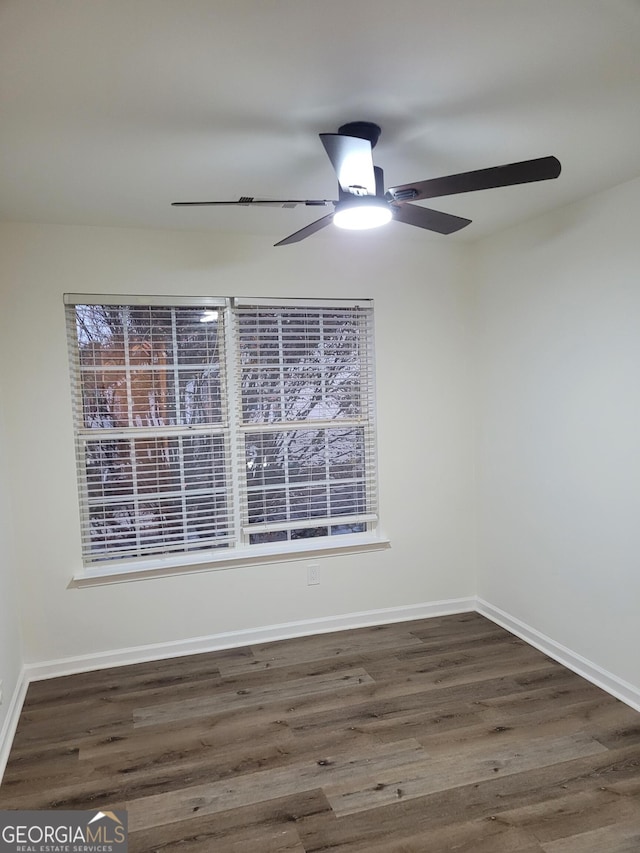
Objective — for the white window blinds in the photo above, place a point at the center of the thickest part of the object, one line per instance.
(205, 427)
(306, 415)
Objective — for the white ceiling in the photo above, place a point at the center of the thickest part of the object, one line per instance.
(111, 109)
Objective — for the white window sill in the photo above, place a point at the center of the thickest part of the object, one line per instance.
(215, 561)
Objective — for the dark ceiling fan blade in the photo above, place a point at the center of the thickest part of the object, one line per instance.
(245, 201)
(432, 220)
(528, 171)
(353, 163)
(307, 231)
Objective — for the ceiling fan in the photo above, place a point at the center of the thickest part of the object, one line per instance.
(362, 201)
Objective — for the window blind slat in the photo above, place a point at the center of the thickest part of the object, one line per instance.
(144, 300)
(311, 522)
(288, 302)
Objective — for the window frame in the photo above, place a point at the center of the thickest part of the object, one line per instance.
(241, 552)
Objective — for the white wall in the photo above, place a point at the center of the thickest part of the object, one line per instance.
(425, 433)
(552, 332)
(10, 640)
(558, 407)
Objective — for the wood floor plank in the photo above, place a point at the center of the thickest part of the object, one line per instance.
(573, 814)
(124, 679)
(598, 718)
(442, 667)
(389, 705)
(543, 694)
(626, 787)
(443, 735)
(235, 700)
(269, 784)
(262, 822)
(283, 839)
(453, 627)
(621, 837)
(88, 720)
(479, 836)
(447, 771)
(322, 647)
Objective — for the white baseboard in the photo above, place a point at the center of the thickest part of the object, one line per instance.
(249, 637)
(14, 709)
(609, 682)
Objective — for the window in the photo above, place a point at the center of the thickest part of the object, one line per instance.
(218, 429)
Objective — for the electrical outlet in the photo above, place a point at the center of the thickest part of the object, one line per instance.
(313, 573)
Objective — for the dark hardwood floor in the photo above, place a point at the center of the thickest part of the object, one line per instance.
(446, 734)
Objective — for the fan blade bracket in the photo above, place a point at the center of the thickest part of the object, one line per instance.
(356, 189)
(402, 195)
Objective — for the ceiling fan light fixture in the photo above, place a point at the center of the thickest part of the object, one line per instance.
(363, 202)
(361, 213)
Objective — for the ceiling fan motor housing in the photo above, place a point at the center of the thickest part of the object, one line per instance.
(361, 130)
